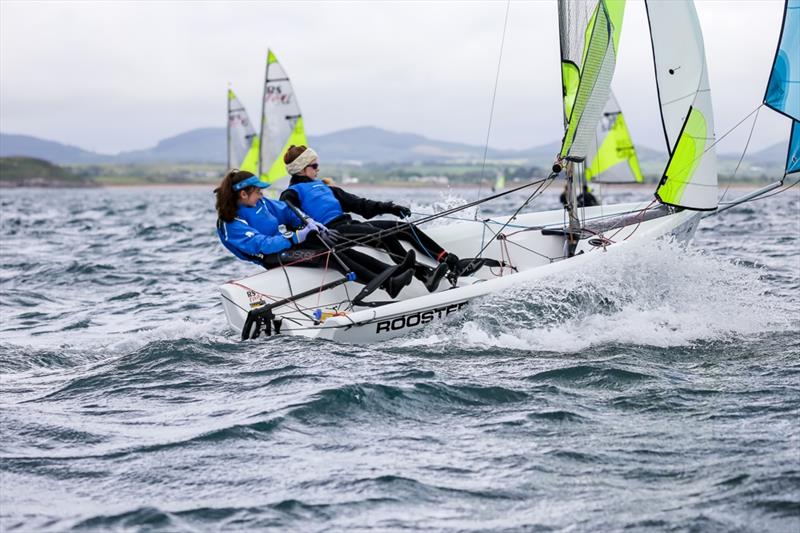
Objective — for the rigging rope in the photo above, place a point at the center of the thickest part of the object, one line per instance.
(747, 144)
(358, 241)
(543, 184)
(491, 110)
(717, 140)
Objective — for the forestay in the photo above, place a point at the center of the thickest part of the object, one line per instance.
(589, 33)
(783, 89)
(281, 121)
(613, 157)
(242, 140)
(690, 178)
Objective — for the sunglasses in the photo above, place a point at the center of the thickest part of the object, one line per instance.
(315, 166)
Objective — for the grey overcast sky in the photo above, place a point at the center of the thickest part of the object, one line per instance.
(113, 76)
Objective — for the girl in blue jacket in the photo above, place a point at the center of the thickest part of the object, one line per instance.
(269, 233)
(331, 206)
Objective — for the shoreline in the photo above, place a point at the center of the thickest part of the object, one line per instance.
(354, 186)
(369, 186)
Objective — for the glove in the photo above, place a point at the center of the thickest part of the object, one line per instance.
(399, 210)
(301, 234)
(315, 226)
(326, 238)
(331, 237)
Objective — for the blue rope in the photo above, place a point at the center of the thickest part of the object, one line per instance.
(410, 225)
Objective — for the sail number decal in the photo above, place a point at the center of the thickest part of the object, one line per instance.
(275, 94)
(418, 318)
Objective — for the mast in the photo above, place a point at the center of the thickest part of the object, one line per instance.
(228, 128)
(589, 32)
(574, 172)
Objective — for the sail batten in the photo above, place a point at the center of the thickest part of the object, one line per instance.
(690, 177)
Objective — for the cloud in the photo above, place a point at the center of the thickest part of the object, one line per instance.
(114, 76)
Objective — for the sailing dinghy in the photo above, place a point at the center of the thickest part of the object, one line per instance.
(614, 156)
(529, 246)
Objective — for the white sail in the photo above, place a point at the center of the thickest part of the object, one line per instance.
(690, 178)
(281, 122)
(241, 136)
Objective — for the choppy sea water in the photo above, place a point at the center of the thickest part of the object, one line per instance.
(660, 391)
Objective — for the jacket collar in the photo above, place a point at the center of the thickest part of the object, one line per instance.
(299, 178)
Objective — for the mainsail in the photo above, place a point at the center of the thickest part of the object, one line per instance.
(589, 33)
(783, 89)
(242, 141)
(281, 122)
(690, 178)
(612, 155)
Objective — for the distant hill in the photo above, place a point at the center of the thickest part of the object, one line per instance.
(374, 145)
(771, 154)
(364, 144)
(27, 146)
(203, 145)
(32, 172)
(207, 145)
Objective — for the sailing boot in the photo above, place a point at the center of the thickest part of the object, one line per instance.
(395, 284)
(451, 261)
(402, 277)
(434, 276)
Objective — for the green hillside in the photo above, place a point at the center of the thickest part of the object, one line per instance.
(32, 172)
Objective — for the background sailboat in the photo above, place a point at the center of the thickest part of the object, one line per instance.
(281, 124)
(243, 143)
(500, 181)
(613, 156)
(281, 127)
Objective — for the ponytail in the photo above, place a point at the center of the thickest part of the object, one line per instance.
(227, 198)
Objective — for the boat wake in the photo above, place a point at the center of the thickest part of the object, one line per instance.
(656, 295)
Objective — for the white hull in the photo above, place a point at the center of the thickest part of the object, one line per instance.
(536, 255)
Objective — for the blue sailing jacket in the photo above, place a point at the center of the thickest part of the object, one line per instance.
(317, 200)
(254, 232)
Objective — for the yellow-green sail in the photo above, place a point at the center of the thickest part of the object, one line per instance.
(281, 121)
(242, 140)
(590, 32)
(612, 156)
(690, 178)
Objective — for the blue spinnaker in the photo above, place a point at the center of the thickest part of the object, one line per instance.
(783, 89)
(793, 157)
